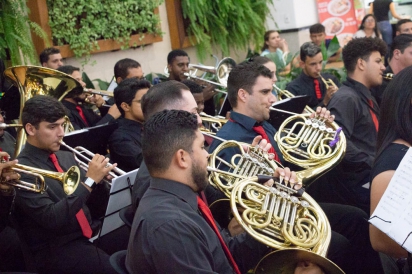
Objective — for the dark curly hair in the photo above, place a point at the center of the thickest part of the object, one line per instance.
(361, 48)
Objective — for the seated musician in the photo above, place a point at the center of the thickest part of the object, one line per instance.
(309, 82)
(197, 92)
(393, 142)
(399, 58)
(173, 230)
(318, 35)
(79, 115)
(51, 58)
(10, 250)
(178, 67)
(127, 68)
(125, 143)
(57, 226)
(250, 95)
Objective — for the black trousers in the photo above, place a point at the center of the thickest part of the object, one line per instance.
(78, 256)
(350, 246)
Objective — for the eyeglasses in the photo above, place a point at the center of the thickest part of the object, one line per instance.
(370, 20)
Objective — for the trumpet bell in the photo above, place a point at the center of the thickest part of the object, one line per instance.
(71, 179)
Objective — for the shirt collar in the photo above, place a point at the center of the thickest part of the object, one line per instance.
(179, 190)
(129, 123)
(359, 87)
(40, 154)
(243, 120)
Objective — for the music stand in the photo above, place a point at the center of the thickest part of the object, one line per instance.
(225, 107)
(93, 138)
(294, 104)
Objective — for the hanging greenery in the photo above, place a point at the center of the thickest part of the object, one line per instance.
(80, 23)
(226, 23)
(15, 39)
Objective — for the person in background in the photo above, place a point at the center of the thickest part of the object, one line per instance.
(127, 68)
(197, 92)
(274, 44)
(125, 143)
(368, 28)
(318, 35)
(51, 58)
(381, 8)
(394, 140)
(404, 26)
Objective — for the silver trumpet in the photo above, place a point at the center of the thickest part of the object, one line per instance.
(86, 155)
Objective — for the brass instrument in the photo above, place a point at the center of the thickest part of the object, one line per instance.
(3, 125)
(69, 179)
(328, 83)
(84, 154)
(34, 80)
(214, 123)
(311, 143)
(287, 94)
(388, 76)
(98, 92)
(222, 71)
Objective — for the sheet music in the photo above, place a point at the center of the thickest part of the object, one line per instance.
(120, 197)
(393, 215)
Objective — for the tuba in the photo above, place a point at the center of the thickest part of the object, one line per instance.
(34, 80)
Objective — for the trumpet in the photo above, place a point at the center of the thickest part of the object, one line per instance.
(84, 154)
(328, 83)
(69, 179)
(388, 76)
(3, 125)
(98, 92)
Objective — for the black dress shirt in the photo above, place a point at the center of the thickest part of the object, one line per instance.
(8, 143)
(125, 145)
(240, 128)
(377, 92)
(92, 118)
(169, 235)
(304, 85)
(352, 112)
(6, 201)
(49, 218)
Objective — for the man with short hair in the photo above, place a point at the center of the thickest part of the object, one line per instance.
(51, 58)
(125, 143)
(400, 56)
(178, 64)
(318, 35)
(127, 68)
(310, 82)
(357, 112)
(404, 26)
(79, 115)
(197, 92)
(57, 225)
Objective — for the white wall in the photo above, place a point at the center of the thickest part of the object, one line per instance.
(292, 14)
(153, 58)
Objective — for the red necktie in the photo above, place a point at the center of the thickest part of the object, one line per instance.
(80, 111)
(317, 88)
(374, 118)
(209, 219)
(261, 131)
(80, 216)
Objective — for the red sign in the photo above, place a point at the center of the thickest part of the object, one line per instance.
(338, 17)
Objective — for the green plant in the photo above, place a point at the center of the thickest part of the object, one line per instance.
(227, 23)
(15, 39)
(80, 23)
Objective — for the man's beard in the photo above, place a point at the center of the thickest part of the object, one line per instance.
(199, 176)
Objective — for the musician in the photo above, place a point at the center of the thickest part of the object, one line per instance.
(394, 140)
(51, 58)
(171, 231)
(197, 92)
(250, 95)
(57, 226)
(79, 115)
(309, 82)
(178, 65)
(127, 68)
(404, 26)
(10, 251)
(7, 141)
(400, 56)
(318, 35)
(125, 142)
(357, 112)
